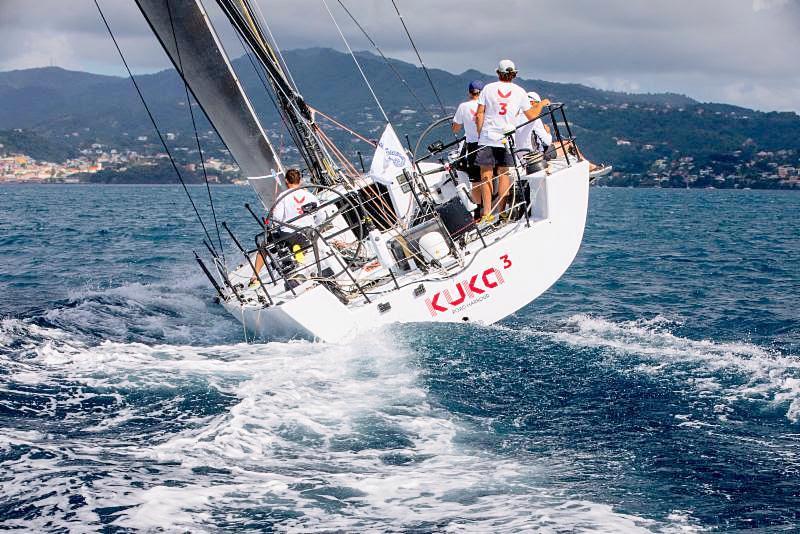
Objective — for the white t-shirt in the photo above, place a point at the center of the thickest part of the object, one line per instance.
(291, 205)
(465, 116)
(522, 139)
(502, 102)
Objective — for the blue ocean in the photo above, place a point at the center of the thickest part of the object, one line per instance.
(654, 388)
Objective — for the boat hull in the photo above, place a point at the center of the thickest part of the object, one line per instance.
(518, 264)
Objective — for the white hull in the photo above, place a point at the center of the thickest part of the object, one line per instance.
(518, 264)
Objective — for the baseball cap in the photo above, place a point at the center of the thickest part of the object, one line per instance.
(475, 86)
(506, 65)
(534, 96)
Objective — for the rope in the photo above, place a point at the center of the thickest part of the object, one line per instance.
(345, 128)
(358, 65)
(196, 135)
(153, 121)
(385, 59)
(424, 68)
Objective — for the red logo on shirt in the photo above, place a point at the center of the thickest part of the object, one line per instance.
(473, 113)
(501, 95)
(300, 200)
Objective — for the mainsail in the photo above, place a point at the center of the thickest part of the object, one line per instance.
(186, 34)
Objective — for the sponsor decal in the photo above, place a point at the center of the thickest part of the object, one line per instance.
(397, 158)
(469, 291)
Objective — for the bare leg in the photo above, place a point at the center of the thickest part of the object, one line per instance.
(487, 174)
(503, 185)
(259, 265)
(475, 192)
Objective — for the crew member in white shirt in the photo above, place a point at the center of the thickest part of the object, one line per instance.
(523, 138)
(293, 203)
(552, 149)
(498, 106)
(465, 117)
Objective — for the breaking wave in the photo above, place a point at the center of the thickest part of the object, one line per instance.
(735, 371)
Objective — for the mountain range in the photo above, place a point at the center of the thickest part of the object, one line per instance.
(52, 112)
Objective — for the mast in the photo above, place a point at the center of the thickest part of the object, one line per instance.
(294, 108)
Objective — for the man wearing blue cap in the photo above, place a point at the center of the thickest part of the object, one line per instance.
(465, 116)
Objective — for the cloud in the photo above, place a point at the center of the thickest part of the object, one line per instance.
(760, 5)
(703, 49)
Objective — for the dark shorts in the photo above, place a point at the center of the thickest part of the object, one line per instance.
(494, 156)
(470, 150)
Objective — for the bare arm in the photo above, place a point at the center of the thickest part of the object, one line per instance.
(536, 109)
(479, 117)
(456, 127)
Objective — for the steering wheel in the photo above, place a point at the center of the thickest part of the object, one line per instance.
(318, 228)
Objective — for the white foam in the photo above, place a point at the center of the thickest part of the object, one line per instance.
(344, 435)
(765, 374)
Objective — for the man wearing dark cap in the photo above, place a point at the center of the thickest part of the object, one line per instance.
(465, 117)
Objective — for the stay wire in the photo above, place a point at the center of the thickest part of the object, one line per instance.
(291, 99)
(385, 59)
(196, 135)
(355, 60)
(263, 20)
(153, 121)
(258, 73)
(268, 91)
(416, 51)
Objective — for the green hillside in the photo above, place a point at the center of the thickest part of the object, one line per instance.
(636, 132)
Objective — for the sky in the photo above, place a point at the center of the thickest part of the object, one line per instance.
(743, 52)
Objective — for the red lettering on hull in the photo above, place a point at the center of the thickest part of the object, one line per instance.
(478, 284)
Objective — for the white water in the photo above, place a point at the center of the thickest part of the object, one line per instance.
(344, 437)
(734, 371)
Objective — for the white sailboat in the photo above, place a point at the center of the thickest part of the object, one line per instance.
(396, 244)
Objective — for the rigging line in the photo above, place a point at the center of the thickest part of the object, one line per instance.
(291, 100)
(345, 128)
(257, 71)
(153, 121)
(385, 59)
(263, 20)
(424, 68)
(240, 21)
(325, 3)
(196, 135)
(388, 213)
(278, 109)
(266, 85)
(317, 159)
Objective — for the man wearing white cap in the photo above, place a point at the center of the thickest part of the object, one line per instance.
(523, 138)
(498, 106)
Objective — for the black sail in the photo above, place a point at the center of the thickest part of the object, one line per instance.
(206, 69)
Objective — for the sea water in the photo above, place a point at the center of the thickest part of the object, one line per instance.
(656, 387)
